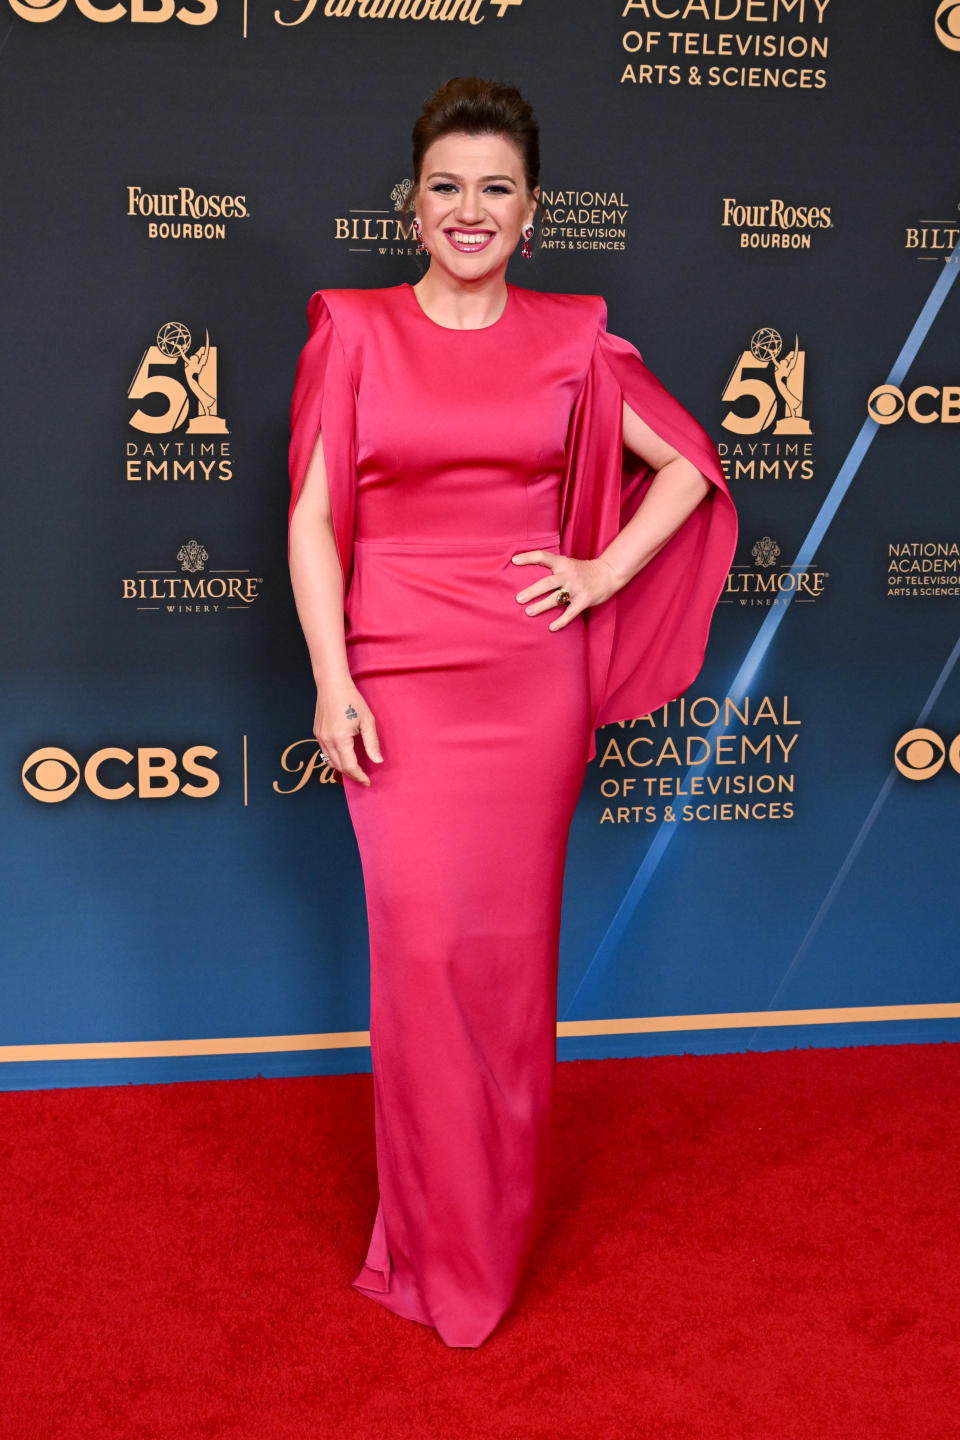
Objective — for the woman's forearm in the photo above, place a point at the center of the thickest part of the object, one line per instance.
(317, 581)
(672, 495)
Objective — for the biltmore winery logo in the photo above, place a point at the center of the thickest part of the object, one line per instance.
(191, 588)
(769, 581)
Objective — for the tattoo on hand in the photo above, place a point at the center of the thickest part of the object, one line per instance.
(351, 713)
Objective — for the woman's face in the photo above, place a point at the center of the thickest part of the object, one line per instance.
(473, 203)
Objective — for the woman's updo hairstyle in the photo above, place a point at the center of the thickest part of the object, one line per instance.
(468, 105)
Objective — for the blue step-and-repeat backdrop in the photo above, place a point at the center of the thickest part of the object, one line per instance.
(766, 192)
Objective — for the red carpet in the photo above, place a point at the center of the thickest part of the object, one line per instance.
(755, 1246)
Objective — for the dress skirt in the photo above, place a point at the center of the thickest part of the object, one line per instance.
(482, 716)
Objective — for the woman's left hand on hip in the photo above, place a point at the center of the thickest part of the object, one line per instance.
(587, 582)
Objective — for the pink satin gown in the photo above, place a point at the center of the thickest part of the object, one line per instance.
(447, 452)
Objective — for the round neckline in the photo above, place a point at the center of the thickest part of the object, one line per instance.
(460, 329)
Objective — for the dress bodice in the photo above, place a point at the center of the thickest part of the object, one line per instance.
(461, 434)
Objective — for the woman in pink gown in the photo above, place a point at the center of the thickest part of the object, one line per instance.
(480, 588)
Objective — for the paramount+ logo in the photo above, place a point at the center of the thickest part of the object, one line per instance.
(152, 772)
(140, 12)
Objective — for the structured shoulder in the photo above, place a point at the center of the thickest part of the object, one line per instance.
(573, 322)
(349, 309)
(350, 319)
(565, 307)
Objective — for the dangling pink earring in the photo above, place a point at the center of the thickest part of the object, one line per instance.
(526, 249)
(419, 234)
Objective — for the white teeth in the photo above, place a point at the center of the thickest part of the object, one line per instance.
(465, 239)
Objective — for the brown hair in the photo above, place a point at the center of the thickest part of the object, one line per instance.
(473, 106)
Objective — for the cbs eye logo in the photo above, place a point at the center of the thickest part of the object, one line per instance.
(946, 22)
(142, 12)
(920, 754)
(153, 773)
(926, 404)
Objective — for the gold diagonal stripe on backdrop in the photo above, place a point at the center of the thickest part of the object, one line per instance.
(349, 1039)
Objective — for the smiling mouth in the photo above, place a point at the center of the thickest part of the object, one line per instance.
(468, 241)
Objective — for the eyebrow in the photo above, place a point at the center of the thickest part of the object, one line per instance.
(449, 175)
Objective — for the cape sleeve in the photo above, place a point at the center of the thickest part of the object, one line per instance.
(646, 643)
(325, 400)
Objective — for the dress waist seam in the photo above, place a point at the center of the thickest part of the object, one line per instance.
(497, 544)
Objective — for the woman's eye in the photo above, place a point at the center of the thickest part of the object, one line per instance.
(444, 187)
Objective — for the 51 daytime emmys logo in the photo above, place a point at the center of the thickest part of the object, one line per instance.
(767, 384)
(176, 377)
(140, 12)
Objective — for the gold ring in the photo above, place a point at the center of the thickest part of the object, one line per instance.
(564, 597)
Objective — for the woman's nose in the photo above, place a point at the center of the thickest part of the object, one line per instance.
(469, 209)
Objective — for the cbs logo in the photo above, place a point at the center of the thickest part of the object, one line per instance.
(886, 404)
(947, 23)
(51, 775)
(919, 754)
(142, 12)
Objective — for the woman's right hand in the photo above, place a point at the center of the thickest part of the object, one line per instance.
(341, 714)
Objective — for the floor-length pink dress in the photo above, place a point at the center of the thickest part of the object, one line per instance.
(447, 452)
